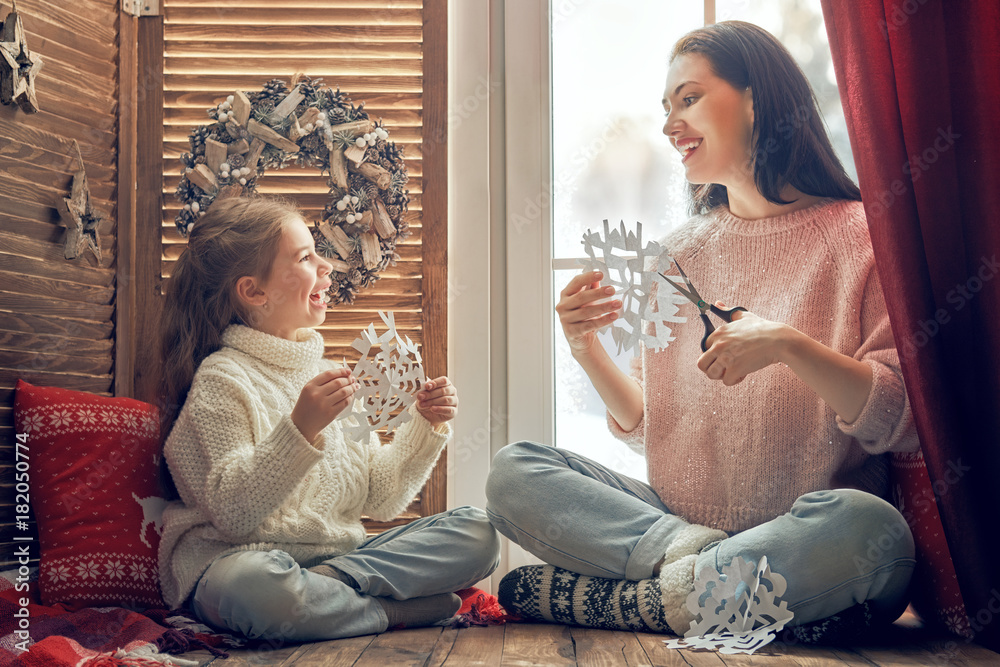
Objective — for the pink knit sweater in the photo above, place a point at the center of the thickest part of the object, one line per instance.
(735, 457)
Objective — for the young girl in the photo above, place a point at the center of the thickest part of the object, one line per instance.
(771, 443)
(267, 538)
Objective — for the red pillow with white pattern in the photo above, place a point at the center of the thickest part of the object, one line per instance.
(94, 480)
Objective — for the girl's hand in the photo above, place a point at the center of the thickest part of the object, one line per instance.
(743, 346)
(323, 399)
(580, 316)
(437, 401)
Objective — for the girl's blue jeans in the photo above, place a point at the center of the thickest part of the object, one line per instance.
(267, 594)
(835, 548)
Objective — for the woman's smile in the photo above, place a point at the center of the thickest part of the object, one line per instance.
(687, 147)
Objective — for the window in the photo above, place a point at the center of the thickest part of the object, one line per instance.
(611, 160)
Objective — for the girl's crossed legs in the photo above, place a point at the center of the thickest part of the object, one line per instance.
(267, 594)
(835, 548)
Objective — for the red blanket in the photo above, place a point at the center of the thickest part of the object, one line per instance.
(36, 635)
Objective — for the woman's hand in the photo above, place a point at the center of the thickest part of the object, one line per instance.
(743, 346)
(580, 316)
(437, 400)
(322, 400)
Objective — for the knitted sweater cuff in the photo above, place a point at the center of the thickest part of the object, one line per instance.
(421, 438)
(881, 413)
(291, 451)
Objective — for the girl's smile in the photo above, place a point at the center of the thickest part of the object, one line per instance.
(321, 297)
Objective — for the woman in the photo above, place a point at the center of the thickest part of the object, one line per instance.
(770, 443)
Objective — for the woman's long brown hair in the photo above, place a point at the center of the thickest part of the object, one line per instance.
(789, 143)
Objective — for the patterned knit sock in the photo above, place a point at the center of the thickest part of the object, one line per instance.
(549, 593)
(419, 612)
(852, 626)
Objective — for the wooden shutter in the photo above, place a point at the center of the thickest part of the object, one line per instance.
(57, 315)
(390, 54)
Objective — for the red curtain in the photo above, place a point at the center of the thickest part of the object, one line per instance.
(920, 85)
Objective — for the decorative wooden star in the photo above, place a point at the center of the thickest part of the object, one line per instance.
(18, 65)
(80, 218)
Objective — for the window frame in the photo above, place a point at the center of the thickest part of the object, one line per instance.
(529, 262)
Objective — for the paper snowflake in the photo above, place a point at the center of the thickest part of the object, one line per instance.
(627, 266)
(388, 380)
(737, 611)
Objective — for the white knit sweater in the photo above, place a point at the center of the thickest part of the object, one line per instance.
(249, 480)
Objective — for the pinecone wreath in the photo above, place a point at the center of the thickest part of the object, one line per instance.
(309, 125)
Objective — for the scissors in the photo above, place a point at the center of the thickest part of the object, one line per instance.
(692, 295)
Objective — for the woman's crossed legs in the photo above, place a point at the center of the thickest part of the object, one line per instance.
(835, 548)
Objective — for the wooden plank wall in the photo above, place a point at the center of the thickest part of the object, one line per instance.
(389, 54)
(57, 315)
(73, 323)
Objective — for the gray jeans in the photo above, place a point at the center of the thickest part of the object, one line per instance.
(266, 594)
(835, 548)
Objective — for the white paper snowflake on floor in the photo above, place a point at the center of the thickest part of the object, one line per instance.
(627, 266)
(388, 380)
(737, 611)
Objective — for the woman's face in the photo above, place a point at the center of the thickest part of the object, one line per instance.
(709, 122)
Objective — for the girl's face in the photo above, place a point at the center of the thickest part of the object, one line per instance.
(293, 290)
(709, 122)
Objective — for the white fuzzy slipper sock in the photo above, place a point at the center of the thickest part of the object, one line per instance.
(676, 583)
(691, 540)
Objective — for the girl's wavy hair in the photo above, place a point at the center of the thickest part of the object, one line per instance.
(789, 143)
(237, 237)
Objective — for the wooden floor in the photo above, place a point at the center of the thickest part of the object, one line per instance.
(518, 644)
